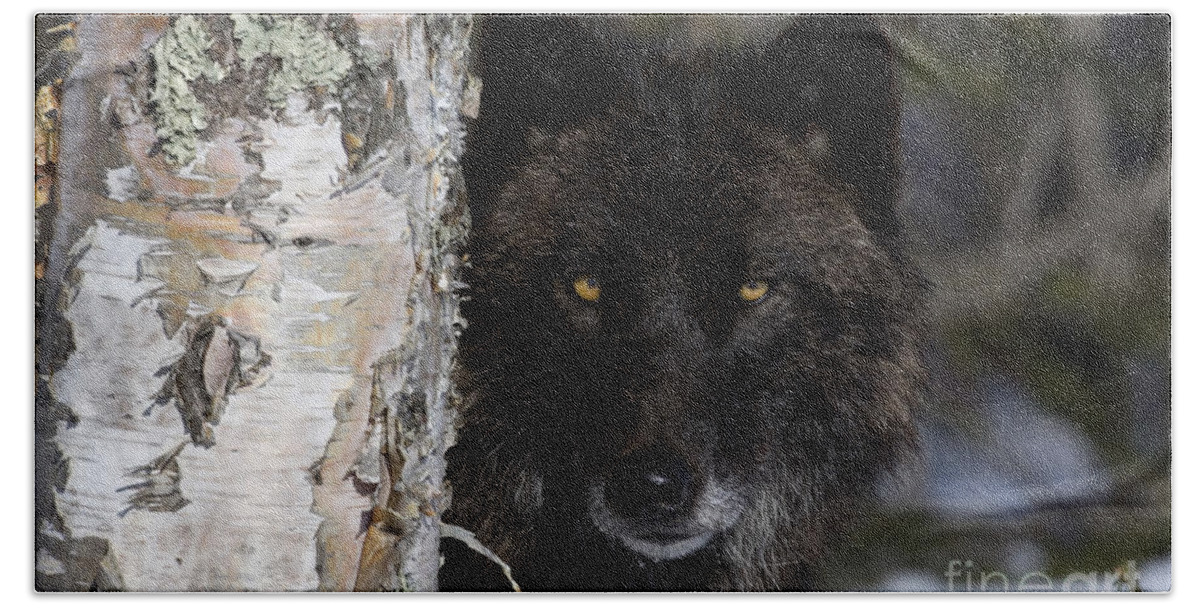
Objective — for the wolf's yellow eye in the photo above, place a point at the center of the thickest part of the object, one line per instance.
(753, 291)
(587, 288)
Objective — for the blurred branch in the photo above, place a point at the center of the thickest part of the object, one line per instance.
(1107, 211)
(1006, 268)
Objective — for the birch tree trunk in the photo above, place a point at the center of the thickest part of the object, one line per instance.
(252, 212)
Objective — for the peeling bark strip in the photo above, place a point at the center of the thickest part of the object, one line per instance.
(221, 279)
(45, 143)
(414, 404)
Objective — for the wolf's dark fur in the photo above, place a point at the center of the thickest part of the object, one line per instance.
(671, 434)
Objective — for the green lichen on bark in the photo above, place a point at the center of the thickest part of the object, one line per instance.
(181, 58)
(300, 57)
(306, 57)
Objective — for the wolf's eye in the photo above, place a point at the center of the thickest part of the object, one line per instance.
(587, 288)
(753, 291)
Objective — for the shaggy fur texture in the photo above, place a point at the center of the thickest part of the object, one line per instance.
(672, 434)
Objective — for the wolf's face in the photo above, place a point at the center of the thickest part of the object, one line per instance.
(687, 352)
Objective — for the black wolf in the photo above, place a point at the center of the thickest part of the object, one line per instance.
(691, 343)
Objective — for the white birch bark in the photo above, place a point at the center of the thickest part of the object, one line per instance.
(249, 294)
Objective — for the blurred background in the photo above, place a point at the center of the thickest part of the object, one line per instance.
(1036, 200)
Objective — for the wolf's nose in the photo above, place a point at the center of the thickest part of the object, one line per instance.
(650, 484)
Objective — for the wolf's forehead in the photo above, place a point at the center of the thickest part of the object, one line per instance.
(650, 248)
(654, 230)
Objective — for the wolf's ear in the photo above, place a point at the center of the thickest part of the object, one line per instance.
(544, 72)
(834, 77)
